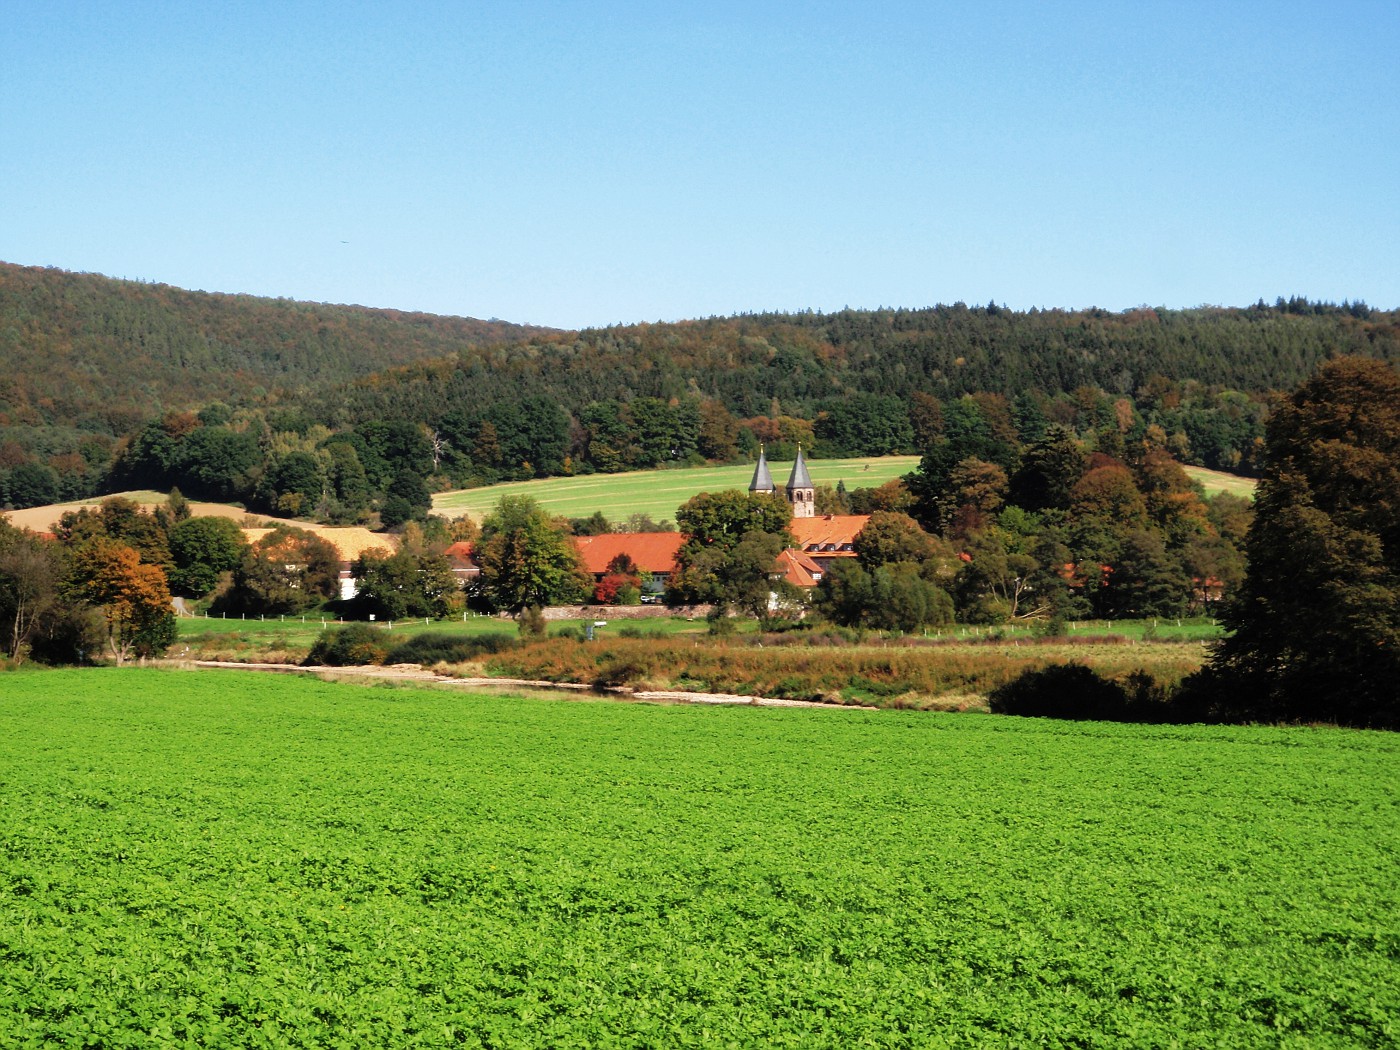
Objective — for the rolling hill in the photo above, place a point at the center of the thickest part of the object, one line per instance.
(87, 353)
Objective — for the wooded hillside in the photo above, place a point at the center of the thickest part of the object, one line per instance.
(804, 360)
(94, 355)
(111, 384)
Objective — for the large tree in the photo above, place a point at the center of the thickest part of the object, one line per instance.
(31, 573)
(732, 542)
(406, 583)
(286, 571)
(203, 549)
(527, 558)
(131, 595)
(1315, 628)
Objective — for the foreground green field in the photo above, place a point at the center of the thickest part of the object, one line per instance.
(228, 859)
(659, 492)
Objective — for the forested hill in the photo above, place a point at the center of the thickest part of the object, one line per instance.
(93, 354)
(803, 361)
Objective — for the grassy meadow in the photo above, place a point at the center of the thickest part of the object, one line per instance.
(659, 492)
(240, 860)
(1214, 481)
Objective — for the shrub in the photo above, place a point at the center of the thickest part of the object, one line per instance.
(618, 670)
(435, 647)
(350, 646)
(719, 622)
(1073, 691)
(530, 622)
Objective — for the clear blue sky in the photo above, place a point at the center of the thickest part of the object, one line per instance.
(589, 163)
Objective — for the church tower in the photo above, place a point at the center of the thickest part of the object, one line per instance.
(762, 480)
(801, 493)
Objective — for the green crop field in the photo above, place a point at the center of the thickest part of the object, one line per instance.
(659, 492)
(238, 860)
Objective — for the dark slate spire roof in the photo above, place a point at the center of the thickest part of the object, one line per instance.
(800, 478)
(762, 479)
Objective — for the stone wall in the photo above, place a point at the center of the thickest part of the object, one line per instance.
(623, 612)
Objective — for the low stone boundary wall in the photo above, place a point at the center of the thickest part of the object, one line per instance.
(623, 612)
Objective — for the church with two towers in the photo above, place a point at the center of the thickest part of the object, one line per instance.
(801, 493)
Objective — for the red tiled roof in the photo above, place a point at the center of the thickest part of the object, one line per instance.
(651, 551)
(827, 533)
(798, 569)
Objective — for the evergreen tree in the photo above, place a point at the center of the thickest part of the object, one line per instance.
(1316, 625)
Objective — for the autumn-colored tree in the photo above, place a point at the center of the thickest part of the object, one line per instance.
(1109, 493)
(893, 495)
(719, 432)
(121, 520)
(132, 597)
(1173, 500)
(926, 418)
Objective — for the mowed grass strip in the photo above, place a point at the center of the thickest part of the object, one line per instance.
(659, 492)
(249, 860)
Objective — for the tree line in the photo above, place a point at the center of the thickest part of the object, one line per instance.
(100, 367)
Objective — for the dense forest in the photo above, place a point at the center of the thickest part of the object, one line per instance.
(87, 355)
(351, 414)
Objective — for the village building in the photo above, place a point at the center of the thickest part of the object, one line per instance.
(827, 538)
(652, 552)
(822, 538)
(461, 557)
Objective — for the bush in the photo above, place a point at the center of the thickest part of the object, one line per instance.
(719, 622)
(1073, 691)
(352, 646)
(530, 622)
(618, 671)
(432, 647)
(1070, 691)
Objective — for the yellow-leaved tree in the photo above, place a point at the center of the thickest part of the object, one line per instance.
(133, 598)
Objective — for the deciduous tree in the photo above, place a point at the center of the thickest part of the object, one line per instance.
(1315, 628)
(132, 597)
(527, 558)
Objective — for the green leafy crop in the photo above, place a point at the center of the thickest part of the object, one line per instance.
(230, 860)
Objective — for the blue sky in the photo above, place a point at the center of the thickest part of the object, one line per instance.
(578, 164)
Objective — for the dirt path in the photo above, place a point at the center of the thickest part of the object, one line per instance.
(415, 673)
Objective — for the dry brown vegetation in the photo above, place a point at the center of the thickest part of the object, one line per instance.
(886, 675)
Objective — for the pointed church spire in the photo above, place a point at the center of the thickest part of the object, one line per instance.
(800, 478)
(762, 479)
(801, 493)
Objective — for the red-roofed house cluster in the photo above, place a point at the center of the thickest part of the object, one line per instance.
(818, 540)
